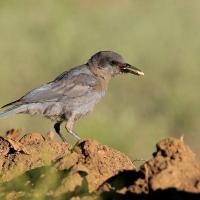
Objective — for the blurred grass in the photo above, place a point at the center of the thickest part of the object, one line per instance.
(41, 39)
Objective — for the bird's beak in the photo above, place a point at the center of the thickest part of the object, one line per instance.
(127, 68)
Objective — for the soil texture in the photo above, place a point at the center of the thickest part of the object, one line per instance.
(36, 167)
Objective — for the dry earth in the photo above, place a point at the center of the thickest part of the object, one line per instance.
(37, 167)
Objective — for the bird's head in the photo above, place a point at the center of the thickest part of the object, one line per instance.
(112, 63)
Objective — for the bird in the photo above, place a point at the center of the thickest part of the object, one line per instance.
(74, 93)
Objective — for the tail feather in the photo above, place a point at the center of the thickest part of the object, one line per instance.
(12, 111)
(4, 114)
(9, 104)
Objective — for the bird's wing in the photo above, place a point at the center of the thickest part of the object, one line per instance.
(66, 86)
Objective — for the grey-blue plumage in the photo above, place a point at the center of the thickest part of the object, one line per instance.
(74, 93)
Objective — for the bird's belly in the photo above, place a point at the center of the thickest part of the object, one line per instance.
(63, 110)
(82, 105)
(54, 111)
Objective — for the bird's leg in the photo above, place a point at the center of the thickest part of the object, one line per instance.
(69, 127)
(57, 129)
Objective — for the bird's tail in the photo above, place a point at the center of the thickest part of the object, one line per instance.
(12, 111)
(4, 114)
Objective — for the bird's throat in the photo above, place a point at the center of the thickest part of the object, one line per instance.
(102, 78)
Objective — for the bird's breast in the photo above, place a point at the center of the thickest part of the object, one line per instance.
(102, 84)
(85, 104)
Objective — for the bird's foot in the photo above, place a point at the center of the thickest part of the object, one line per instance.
(75, 135)
(76, 147)
(64, 140)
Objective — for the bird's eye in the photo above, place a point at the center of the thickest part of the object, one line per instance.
(113, 62)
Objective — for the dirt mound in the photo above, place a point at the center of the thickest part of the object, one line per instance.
(173, 173)
(20, 154)
(35, 167)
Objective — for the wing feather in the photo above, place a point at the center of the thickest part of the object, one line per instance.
(69, 87)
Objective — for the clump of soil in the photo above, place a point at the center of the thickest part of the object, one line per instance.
(173, 173)
(20, 154)
(37, 167)
(173, 166)
(98, 161)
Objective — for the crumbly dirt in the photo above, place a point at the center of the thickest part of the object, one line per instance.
(37, 167)
(173, 173)
(32, 160)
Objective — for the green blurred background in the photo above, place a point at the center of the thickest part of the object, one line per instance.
(41, 39)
